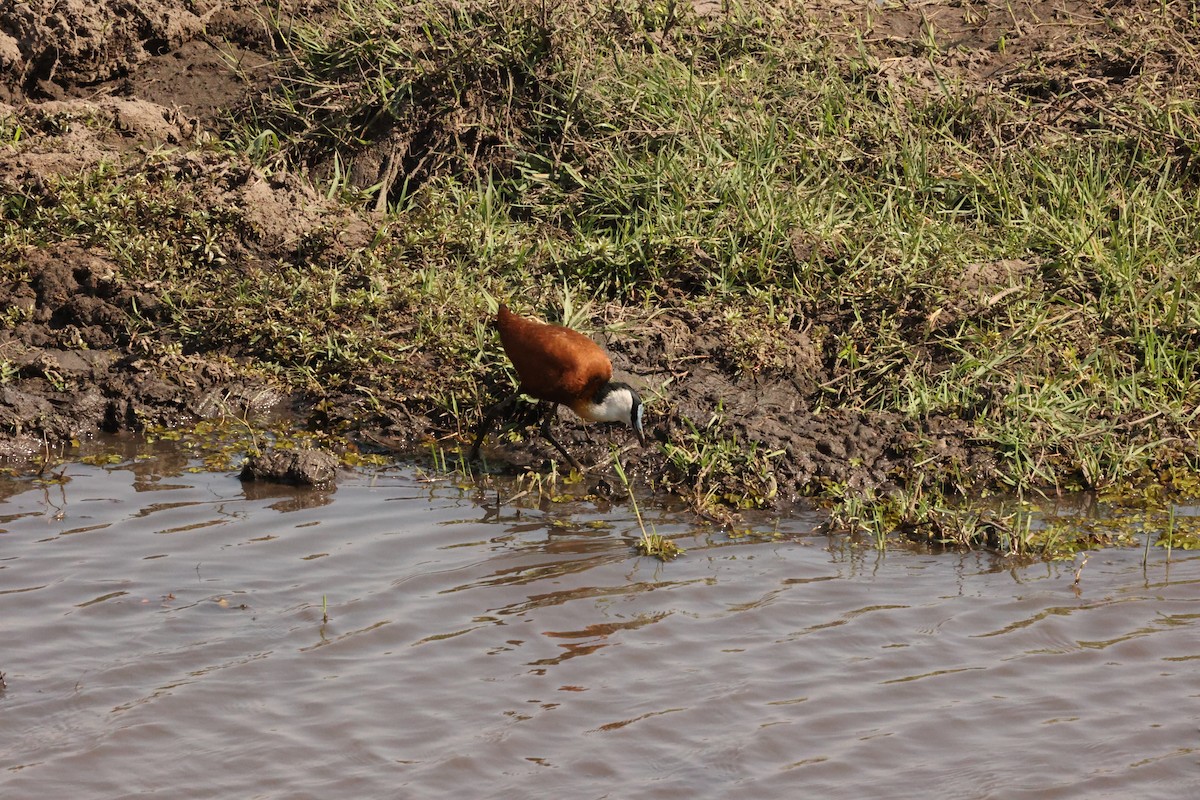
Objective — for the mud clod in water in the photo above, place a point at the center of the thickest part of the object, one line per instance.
(295, 467)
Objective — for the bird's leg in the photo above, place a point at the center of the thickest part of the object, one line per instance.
(550, 437)
(489, 420)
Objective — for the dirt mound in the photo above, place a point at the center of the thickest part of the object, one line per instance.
(79, 134)
(47, 45)
(195, 58)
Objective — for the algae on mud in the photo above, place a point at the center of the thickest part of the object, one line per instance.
(877, 255)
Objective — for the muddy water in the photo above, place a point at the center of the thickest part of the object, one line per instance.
(162, 632)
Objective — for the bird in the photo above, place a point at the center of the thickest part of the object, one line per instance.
(560, 366)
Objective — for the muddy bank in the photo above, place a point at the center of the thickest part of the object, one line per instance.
(80, 354)
(75, 368)
(76, 365)
(86, 344)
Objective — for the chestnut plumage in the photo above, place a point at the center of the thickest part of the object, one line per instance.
(562, 367)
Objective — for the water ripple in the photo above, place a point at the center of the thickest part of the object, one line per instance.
(541, 657)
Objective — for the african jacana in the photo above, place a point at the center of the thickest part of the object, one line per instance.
(561, 366)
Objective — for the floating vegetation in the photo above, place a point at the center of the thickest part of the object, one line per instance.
(658, 546)
(222, 443)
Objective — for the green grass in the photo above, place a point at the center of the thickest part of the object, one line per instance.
(998, 254)
(715, 472)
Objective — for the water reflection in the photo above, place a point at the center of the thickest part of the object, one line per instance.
(165, 631)
(288, 498)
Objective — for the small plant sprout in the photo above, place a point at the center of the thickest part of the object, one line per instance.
(1146, 551)
(652, 542)
(1170, 533)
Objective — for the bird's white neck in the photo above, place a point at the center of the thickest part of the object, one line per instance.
(615, 406)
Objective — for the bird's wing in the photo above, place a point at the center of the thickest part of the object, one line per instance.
(559, 364)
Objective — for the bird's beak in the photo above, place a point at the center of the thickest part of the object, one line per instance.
(636, 421)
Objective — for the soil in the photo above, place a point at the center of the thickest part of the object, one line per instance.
(164, 71)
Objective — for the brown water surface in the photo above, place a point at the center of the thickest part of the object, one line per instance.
(161, 632)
